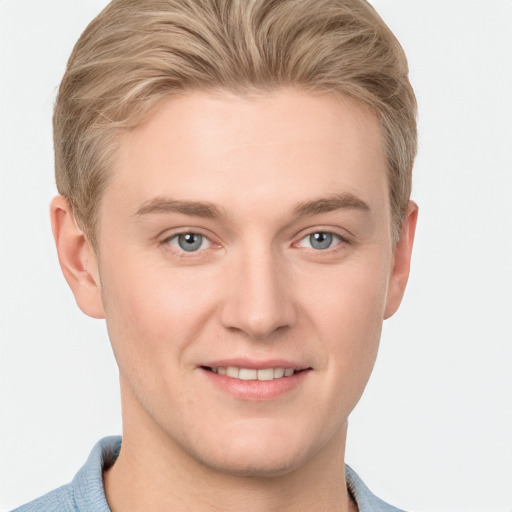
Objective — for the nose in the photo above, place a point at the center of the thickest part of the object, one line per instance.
(259, 297)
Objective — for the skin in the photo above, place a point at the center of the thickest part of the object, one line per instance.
(256, 289)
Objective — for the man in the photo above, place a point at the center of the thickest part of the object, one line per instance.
(234, 182)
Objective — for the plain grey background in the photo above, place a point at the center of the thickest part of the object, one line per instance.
(433, 431)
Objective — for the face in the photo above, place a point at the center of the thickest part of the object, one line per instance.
(245, 268)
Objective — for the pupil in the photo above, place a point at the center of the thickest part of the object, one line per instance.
(190, 241)
(320, 240)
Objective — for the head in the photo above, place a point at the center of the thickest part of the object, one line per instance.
(136, 54)
(240, 176)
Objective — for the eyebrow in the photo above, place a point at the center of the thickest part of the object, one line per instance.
(168, 205)
(346, 201)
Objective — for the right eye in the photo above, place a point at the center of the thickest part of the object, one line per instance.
(189, 242)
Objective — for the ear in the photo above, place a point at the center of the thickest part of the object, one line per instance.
(77, 258)
(401, 261)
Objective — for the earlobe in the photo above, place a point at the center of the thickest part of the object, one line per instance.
(401, 261)
(77, 258)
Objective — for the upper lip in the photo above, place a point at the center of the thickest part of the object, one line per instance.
(254, 364)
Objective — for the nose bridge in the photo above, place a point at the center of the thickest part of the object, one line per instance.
(259, 300)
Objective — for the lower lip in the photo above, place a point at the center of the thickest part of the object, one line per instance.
(256, 390)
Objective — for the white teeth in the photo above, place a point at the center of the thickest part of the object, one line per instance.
(278, 373)
(246, 374)
(266, 374)
(231, 371)
(251, 374)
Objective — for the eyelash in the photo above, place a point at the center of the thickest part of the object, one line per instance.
(182, 253)
(341, 240)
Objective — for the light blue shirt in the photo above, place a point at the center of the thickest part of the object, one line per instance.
(86, 493)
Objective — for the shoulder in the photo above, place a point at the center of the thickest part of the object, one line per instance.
(58, 500)
(365, 499)
(85, 493)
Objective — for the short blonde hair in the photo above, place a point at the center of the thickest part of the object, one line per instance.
(137, 52)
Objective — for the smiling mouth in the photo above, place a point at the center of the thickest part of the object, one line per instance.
(263, 374)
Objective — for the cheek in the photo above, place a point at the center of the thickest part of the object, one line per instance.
(347, 312)
(350, 298)
(151, 312)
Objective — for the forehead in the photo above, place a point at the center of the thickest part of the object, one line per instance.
(286, 146)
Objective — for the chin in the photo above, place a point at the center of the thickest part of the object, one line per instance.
(260, 456)
(252, 465)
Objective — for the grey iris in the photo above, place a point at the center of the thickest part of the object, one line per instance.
(320, 240)
(190, 241)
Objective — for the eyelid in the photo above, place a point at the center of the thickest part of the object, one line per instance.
(338, 232)
(180, 249)
(334, 235)
(171, 234)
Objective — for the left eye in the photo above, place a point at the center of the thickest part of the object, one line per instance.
(189, 242)
(320, 240)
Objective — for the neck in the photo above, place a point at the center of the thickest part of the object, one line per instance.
(153, 473)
